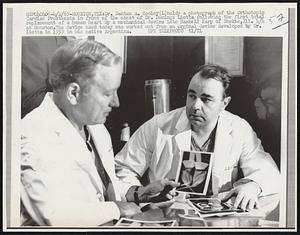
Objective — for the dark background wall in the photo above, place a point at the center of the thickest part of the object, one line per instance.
(263, 69)
(176, 58)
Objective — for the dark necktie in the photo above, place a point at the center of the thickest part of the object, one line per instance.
(109, 194)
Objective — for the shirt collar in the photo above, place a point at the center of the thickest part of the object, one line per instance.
(56, 117)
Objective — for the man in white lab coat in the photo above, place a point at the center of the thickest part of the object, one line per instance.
(67, 161)
(203, 125)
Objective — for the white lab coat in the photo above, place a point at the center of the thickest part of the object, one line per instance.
(155, 147)
(58, 173)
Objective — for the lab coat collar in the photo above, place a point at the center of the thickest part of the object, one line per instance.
(184, 133)
(183, 123)
(57, 120)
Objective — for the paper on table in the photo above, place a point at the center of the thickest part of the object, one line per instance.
(181, 206)
(268, 223)
(254, 213)
(142, 223)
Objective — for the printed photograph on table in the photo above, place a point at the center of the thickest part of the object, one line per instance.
(125, 222)
(194, 172)
(213, 207)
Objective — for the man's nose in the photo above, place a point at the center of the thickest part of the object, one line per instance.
(197, 104)
(115, 101)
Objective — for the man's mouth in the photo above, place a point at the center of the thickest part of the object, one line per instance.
(197, 117)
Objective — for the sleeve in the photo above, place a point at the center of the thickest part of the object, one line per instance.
(50, 205)
(256, 164)
(134, 159)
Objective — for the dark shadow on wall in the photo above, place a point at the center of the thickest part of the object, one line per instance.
(263, 66)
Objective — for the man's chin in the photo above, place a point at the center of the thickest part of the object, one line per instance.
(103, 120)
(197, 123)
(99, 121)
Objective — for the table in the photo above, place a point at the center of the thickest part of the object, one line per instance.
(269, 210)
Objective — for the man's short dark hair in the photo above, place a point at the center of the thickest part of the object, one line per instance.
(76, 60)
(218, 73)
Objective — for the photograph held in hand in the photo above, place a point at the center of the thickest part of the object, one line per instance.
(194, 172)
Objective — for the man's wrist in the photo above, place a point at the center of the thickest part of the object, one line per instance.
(130, 193)
(259, 190)
(136, 194)
(140, 194)
(244, 181)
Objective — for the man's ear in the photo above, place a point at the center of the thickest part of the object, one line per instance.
(226, 101)
(73, 91)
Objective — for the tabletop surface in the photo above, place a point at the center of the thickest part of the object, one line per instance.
(262, 217)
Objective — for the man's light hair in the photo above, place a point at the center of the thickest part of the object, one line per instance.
(76, 60)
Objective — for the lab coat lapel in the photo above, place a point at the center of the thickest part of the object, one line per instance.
(103, 145)
(222, 150)
(183, 132)
(181, 141)
(102, 141)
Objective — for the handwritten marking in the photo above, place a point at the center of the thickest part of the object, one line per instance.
(280, 25)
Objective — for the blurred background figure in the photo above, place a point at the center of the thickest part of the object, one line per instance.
(268, 110)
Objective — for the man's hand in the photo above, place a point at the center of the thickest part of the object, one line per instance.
(159, 205)
(157, 191)
(128, 209)
(246, 195)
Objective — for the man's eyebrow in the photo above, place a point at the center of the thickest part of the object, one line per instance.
(207, 95)
(202, 95)
(191, 90)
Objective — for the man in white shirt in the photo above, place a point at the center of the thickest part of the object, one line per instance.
(67, 161)
(203, 125)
